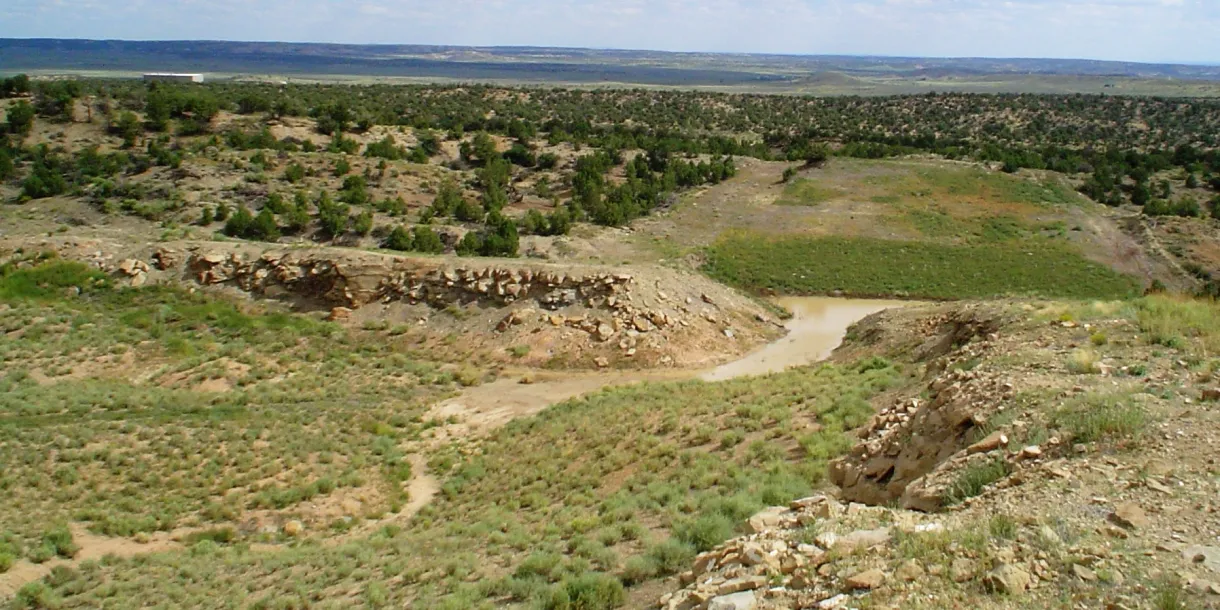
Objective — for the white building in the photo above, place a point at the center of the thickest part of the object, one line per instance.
(174, 78)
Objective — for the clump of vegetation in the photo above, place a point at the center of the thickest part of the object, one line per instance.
(975, 478)
(1084, 362)
(1180, 322)
(1102, 417)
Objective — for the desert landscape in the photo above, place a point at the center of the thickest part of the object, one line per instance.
(475, 345)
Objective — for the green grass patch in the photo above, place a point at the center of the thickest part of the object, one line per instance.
(805, 192)
(937, 223)
(875, 267)
(1180, 322)
(51, 279)
(1102, 417)
(975, 478)
(973, 182)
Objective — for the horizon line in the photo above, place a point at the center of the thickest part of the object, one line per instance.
(1206, 64)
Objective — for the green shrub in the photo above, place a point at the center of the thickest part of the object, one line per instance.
(219, 535)
(400, 239)
(41, 553)
(36, 596)
(427, 241)
(538, 565)
(1002, 527)
(705, 532)
(48, 280)
(671, 556)
(589, 591)
(638, 569)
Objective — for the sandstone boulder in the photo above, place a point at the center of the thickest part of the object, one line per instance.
(1007, 579)
(745, 600)
(868, 580)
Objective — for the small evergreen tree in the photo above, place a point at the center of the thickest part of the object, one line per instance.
(238, 225)
(426, 240)
(264, 227)
(470, 245)
(363, 224)
(400, 239)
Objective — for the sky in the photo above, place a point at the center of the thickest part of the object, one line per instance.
(1185, 31)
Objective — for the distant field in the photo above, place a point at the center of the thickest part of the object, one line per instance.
(868, 267)
(812, 75)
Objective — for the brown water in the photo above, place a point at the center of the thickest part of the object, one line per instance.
(817, 327)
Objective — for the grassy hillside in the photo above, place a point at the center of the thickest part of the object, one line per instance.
(144, 410)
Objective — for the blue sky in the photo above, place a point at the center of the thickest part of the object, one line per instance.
(1134, 30)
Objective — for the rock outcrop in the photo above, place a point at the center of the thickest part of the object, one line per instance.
(910, 449)
(782, 565)
(580, 316)
(355, 281)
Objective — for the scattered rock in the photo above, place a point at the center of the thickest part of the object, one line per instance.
(767, 519)
(1084, 573)
(962, 570)
(869, 580)
(294, 528)
(132, 267)
(835, 602)
(1207, 556)
(738, 585)
(604, 332)
(1031, 453)
(745, 600)
(994, 441)
(909, 571)
(1007, 579)
(1156, 486)
(1130, 516)
(863, 539)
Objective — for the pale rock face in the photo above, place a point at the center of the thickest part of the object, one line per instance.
(745, 600)
(1007, 579)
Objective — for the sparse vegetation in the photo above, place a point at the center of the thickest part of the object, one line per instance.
(1084, 362)
(1102, 417)
(133, 458)
(804, 193)
(975, 478)
(280, 459)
